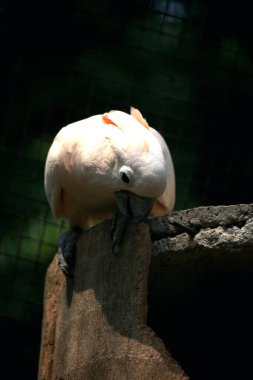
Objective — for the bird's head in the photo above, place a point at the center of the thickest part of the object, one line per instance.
(141, 180)
(139, 170)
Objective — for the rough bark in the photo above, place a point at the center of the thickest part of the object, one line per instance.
(223, 242)
(99, 330)
(54, 285)
(95, 327)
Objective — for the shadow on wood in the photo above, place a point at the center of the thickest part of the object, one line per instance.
(94, 326)
(200, 290)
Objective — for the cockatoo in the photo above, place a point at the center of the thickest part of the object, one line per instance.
(112, 165)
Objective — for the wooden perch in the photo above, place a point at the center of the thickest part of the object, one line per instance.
(94, 326)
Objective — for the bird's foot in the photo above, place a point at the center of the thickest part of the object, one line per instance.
(66, 250)
(131, 209)
(118, 226)
(190, 230)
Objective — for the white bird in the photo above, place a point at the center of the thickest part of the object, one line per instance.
(109, 165)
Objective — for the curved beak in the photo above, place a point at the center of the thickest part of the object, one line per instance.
(132, 206)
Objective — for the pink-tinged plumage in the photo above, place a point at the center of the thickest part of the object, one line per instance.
(84, 167)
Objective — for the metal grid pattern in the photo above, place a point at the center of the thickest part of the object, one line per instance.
(194, 86)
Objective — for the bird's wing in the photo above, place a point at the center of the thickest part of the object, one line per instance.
(165, 203)
(57, 163)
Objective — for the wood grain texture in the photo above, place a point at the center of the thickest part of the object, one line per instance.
(95, 325)
(54, 284)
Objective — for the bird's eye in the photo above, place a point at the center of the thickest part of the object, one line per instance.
(127, 175)
(125, 178)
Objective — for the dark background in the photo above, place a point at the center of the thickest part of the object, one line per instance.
(187, 65)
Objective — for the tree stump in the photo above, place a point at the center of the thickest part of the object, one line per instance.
(94, 325)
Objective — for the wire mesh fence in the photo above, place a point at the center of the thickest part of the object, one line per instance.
(190, 75)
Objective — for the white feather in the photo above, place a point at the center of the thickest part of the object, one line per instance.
(83, 167)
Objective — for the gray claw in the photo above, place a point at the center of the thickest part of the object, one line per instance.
(66, 250)
(188, 229)
(65, 267)
(119, 223)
